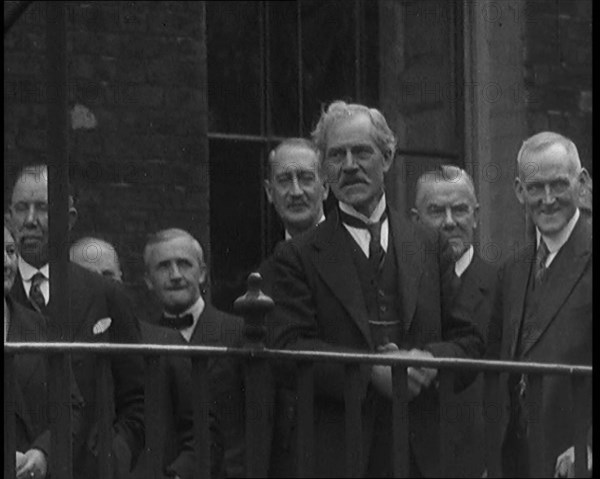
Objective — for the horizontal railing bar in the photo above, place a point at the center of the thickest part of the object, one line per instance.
(366, 358)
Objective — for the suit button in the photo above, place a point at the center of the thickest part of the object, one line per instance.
(382, 308)
(381, 294)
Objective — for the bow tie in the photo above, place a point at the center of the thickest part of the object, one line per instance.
(177, 322)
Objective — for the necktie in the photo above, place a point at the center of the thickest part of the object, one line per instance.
(540, 263)
(35, 293)
(454, 283)
(376, 251)
(177, 322)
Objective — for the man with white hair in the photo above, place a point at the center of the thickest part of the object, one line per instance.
(543, 309)
(363, 280)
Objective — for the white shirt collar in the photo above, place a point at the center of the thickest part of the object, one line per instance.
(556, 242)
(195, 310)
(27, 271)
(375, 216)
(288, 236)
(464, 261)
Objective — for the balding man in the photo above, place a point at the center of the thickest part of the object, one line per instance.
(445, 201)
(175, 415)
(100, 311)
(175, 273)
(98, 256)
(543, 309)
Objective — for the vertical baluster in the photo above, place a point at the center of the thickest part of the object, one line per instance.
(445, 389)
(154, 428)
(400, 421)
(533, 410)
(306, 454)
(492, 414)
(201, 405)
(9, 416)
(581, 414)
(104, 415)
(59, 375)
(354, 440)
(253, 306)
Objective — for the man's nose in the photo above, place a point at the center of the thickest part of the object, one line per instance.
(31, 215)
(548, 195)
(349, 161)
(295, 189)
(174, 272)
(449, 221)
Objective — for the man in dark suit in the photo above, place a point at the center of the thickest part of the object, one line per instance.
(100, 312)
(365, 280)
(176, 272)
(445, 201)
(175, 414)
(543, 309)
(32, 407)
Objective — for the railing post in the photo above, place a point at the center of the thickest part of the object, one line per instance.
(9, 416)
(253, 306)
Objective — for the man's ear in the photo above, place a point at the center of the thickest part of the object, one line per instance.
(325, 190)
(149, 284)
(72, 217)
(476, 215)
(519, 190)
(414, 215)
(202, 279)
(268, 191)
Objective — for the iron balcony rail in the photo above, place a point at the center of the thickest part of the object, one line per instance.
(257, 359)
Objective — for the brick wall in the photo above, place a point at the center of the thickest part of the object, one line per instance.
(137, 100)
(558, 70)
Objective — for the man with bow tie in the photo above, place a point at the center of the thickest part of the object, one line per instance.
(175, 414)
(365, 279)
(100, 312)
(543, 309)
(176, 273)
(445, 201)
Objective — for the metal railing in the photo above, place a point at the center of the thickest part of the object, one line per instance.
(257, 359)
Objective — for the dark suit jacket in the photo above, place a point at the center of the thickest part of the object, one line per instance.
(176, 417)
(465, 409)
(93, 298)
(215, 328)
(561, 334)
(32, 406)
(318, 306)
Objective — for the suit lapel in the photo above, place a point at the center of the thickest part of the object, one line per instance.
(570, 262)
(408, 265)
(518, 294)
(333, 260)
(18, 292)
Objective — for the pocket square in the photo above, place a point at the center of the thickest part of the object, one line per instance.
(102, 325)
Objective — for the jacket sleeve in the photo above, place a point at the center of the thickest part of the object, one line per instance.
(293, 325)
(127, 371)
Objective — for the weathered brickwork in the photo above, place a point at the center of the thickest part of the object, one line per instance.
(136, 93)
(558, 70)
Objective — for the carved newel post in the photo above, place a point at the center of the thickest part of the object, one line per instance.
(253, 306)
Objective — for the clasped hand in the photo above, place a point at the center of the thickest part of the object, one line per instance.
(31, 465)
(418, 378)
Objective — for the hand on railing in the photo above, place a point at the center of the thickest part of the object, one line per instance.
(31, 465)
(417, 378)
